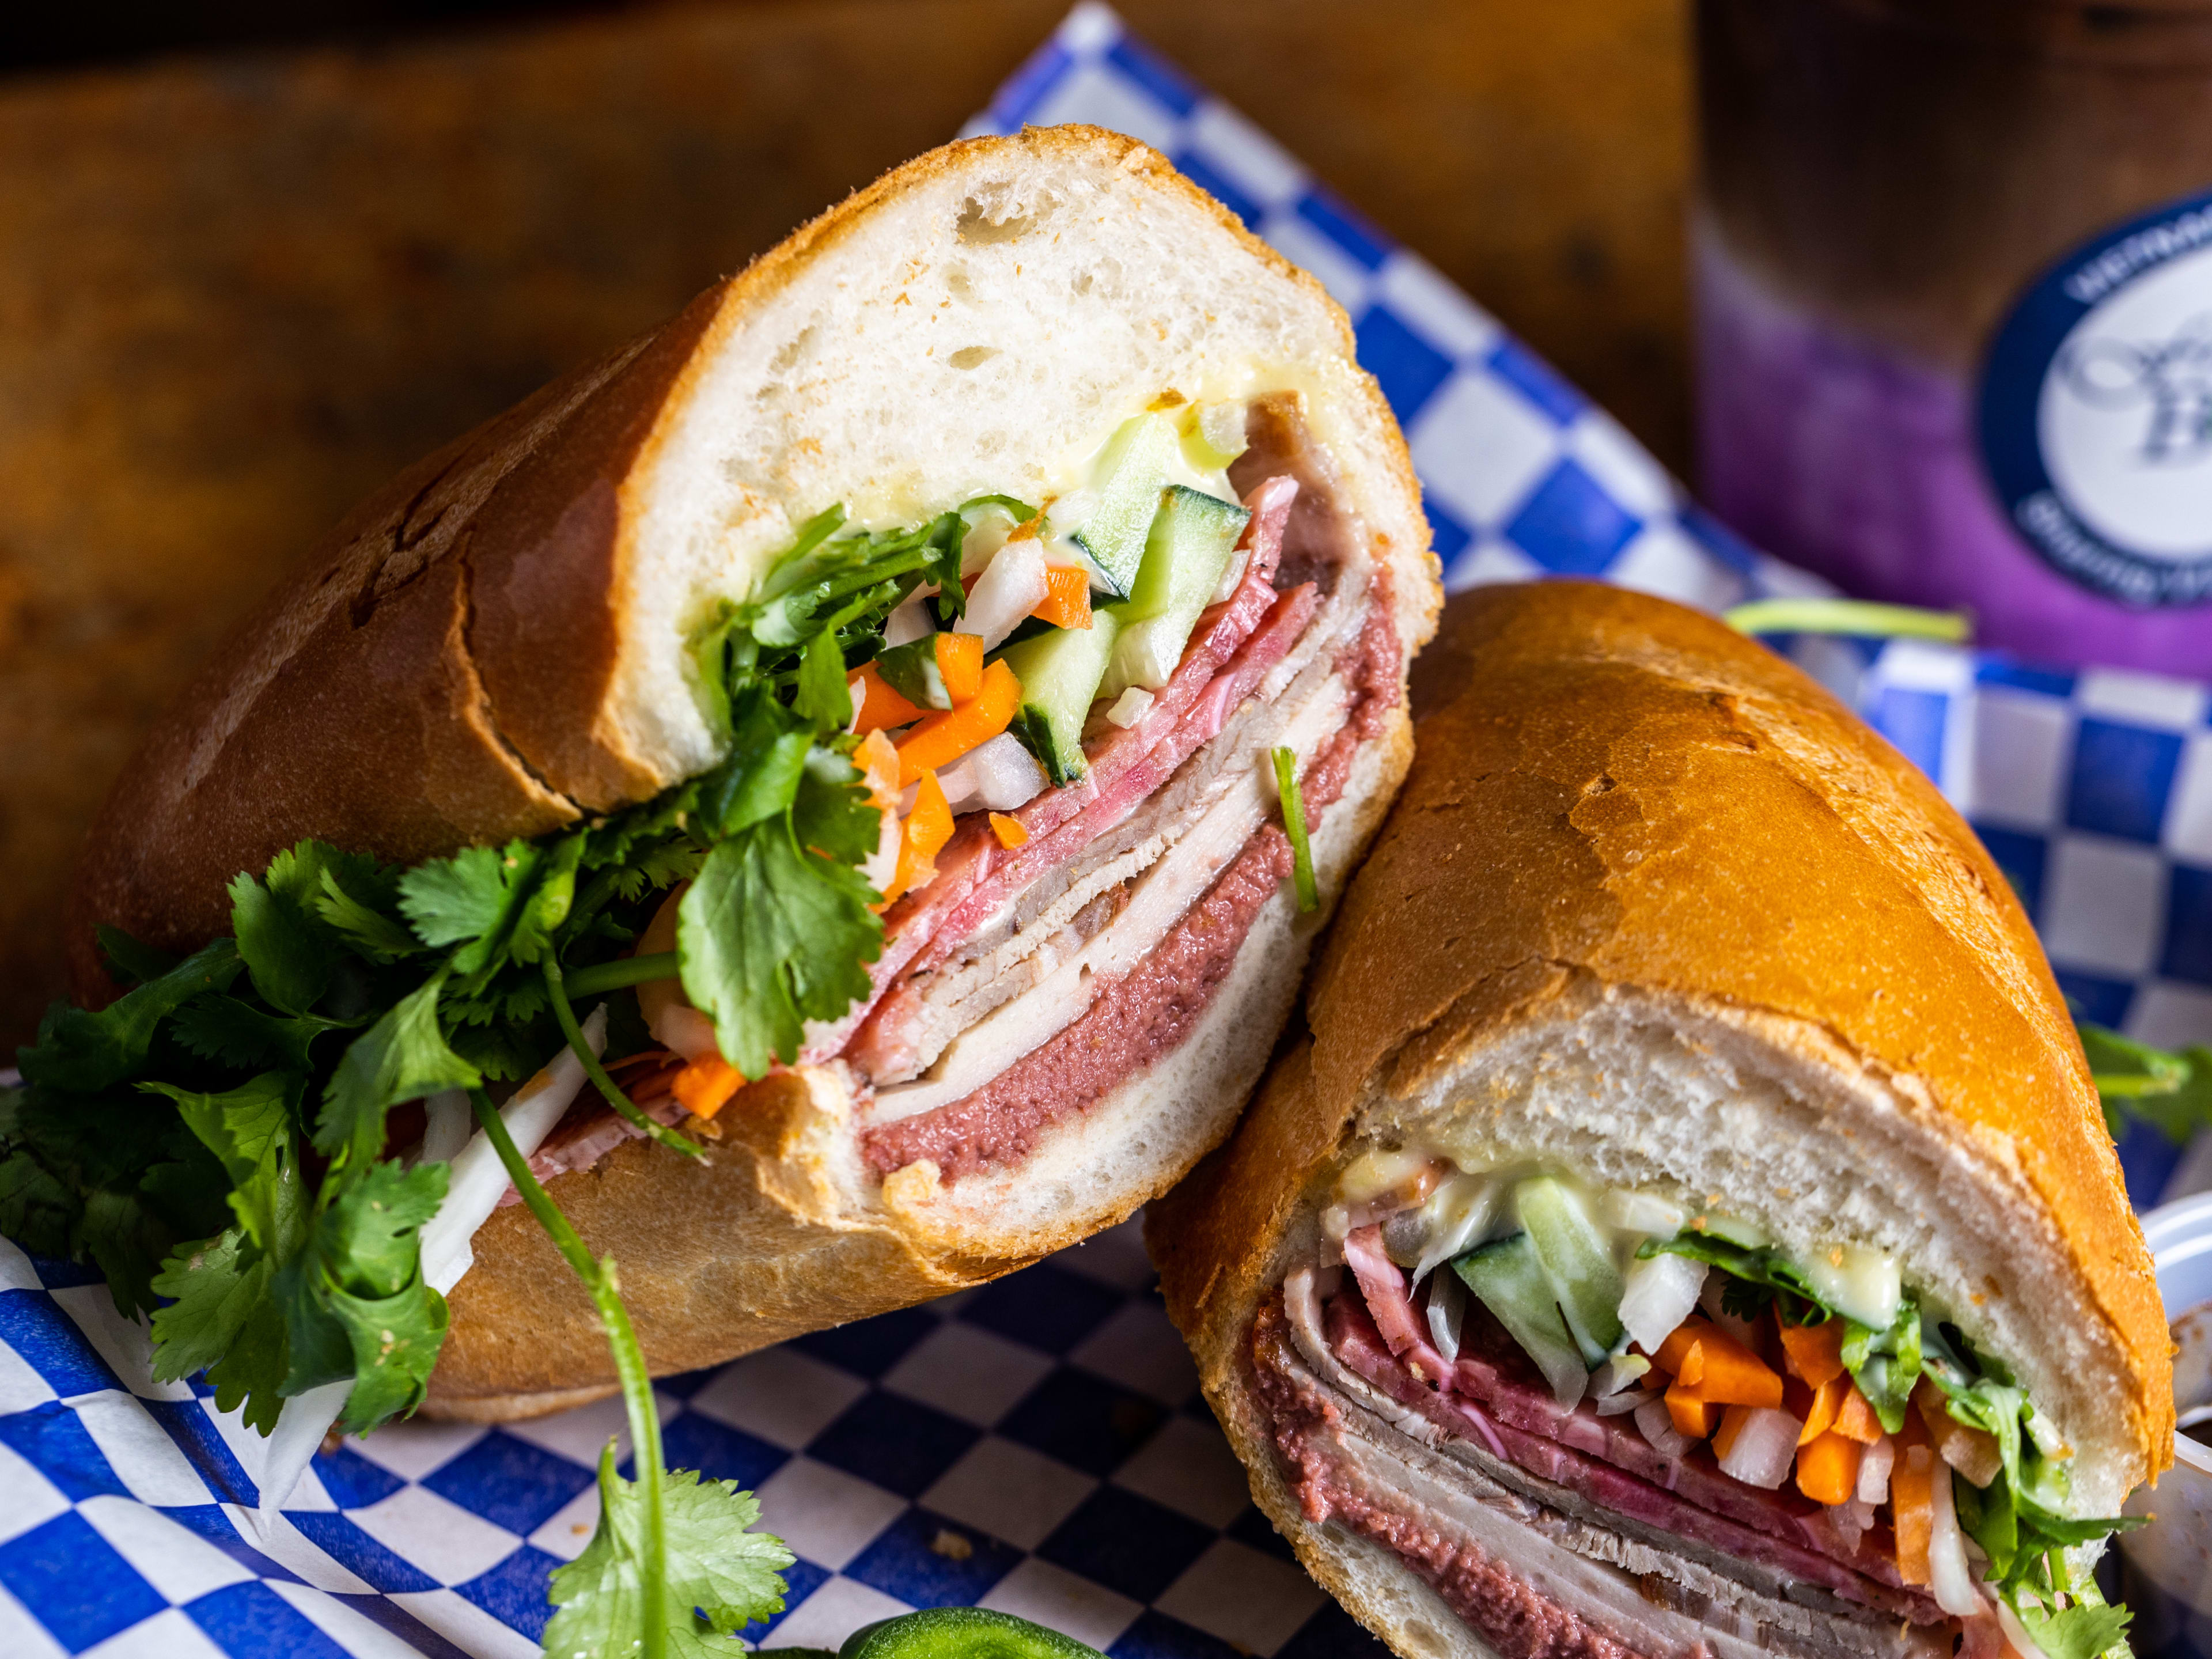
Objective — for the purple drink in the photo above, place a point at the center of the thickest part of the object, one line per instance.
(1954, 308)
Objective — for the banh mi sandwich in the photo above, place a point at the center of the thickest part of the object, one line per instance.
(1689, 1228)
(854, 775)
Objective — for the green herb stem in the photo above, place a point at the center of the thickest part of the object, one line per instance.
(557, 993)
(598, 1277)
(1860, 616)
(1294, 826)
(601, 977)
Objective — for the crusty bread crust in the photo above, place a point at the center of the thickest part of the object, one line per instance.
(457, 665)
(1619, 802)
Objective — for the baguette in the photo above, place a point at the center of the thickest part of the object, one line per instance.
(499, 646)
(1656, 914)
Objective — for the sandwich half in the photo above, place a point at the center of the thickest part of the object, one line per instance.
(874, 687)
(1689, 1228)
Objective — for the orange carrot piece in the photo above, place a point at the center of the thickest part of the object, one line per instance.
(928, 827)
(943, 738)
(880, 705)
(1678, 1343)
(1009, 831)
(1856, 1418)
(1912, 1501)
(1827, 1400)
(1714, 1367)
(705, 1084)
(960, 664)
(1814, 1352)
(1694, 1417)
(1828, 1468)
(1066, 602)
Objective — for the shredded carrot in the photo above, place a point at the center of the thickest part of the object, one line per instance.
(1827, 1400)
(1677, 1344)
(1066, 602)
(1710, 1366)
(1694, 1417)
(1912, 1501)
(943, 738)
(880, 705)
(928, 827)
(960, 664)
(705, 1084)
(1856, 1418)
(1009, 830)
(1973, 1452)
(877, 758)
(1828, 1468)
(1814, 1352)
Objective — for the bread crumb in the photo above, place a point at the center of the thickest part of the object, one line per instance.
(950, 1544)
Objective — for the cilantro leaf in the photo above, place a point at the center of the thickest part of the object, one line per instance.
(225, 1320)
(369, 1236)
(832, 811)
(242, 1126)
(770, 937)
(404, 1056)
(367, 930)
(2078, 1633)
(354, 1303)
(499, 904)
(290, 964)
(823, 698)
(2170, 1091)
(231, 1031)
(715, 1566)
(86, 1052)
(129, 963)
(767, 753)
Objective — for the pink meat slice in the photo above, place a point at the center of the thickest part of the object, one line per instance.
(975, 873)
(1613, 1467)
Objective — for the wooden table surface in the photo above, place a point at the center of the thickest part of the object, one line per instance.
(237, 293)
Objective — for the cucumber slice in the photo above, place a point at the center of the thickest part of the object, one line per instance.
(1578, 1260)
(1192, 538)
(1059, 670)
(1132, 472)
(911, 671)
(1510, 1282)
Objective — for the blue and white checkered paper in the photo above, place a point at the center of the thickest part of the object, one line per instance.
(1039, 1445)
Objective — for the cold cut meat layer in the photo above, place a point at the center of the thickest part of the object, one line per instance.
(1542, 1549)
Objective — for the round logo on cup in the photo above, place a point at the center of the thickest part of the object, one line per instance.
(2096, 410)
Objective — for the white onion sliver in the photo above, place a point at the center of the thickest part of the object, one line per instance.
(1952, 1580)
(1657, 1295)
(1619, 1372)
(1457, 1214)
(1131, 706)
(984, 540)
(1873, 1471)
(1001, 775)
(1631, 1399)
(1011, 587)
(477, 1177)
(1447, 1310)
(1764, 1449)
(1656, 1424)
(910, 622)
(2015, 1633)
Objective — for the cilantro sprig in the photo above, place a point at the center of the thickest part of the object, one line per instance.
(220, 1139)
(671, 1551)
